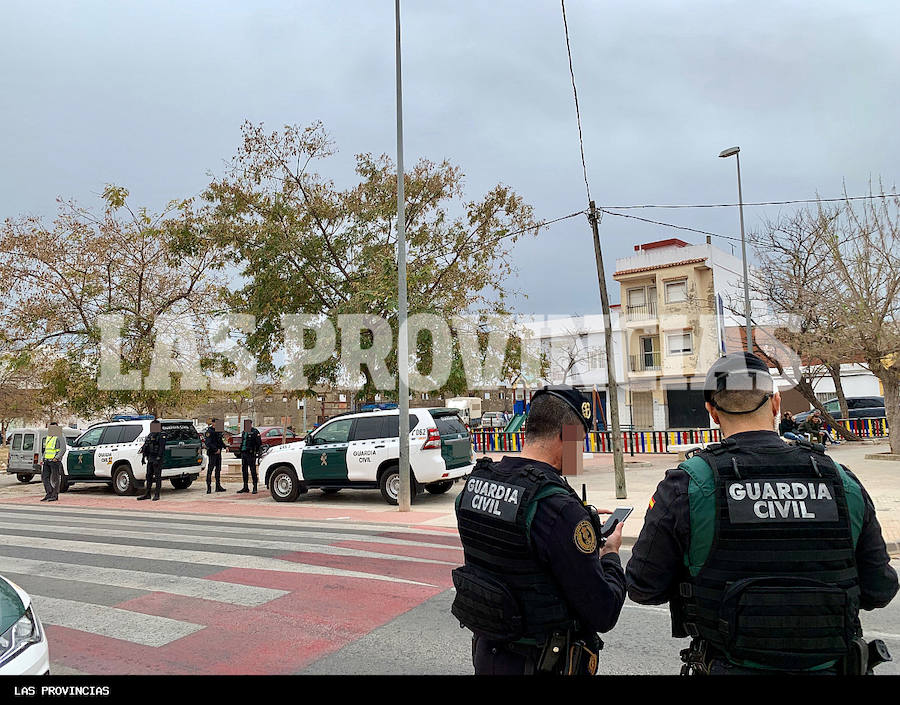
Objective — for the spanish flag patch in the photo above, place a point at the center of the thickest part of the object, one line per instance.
(652, 502)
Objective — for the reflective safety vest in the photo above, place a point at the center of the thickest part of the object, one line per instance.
(772, 571)
(51, 448)
(502, 592)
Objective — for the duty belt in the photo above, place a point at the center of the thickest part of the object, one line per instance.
(861, 660)
(563, 654)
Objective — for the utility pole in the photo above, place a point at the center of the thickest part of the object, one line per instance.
(612, 389)
(402, 342)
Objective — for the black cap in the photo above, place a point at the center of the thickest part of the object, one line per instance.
(570, 396)
(738, 371)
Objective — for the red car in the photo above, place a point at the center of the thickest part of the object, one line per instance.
(270, 436)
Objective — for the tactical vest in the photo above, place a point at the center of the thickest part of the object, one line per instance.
(773, 581)
(156, 446)
(502, 592)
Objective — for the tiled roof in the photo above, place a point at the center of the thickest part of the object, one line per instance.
(696, 260)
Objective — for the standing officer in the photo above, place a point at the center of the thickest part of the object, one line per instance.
(765, 551)
(153, 452)
(536, 586)
(51, 473)
(251, 444)
(212, 439)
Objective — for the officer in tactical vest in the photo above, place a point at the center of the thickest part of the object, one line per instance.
(251, 444)
(537, 584)
(153, 453)
(51, 472)
(212, 439)
(765, 551)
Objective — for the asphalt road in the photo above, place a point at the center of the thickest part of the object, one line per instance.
(420, 641)
(123, 587)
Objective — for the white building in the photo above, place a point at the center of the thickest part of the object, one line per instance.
(574, 352)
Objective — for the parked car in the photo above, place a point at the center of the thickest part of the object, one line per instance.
(361, 451)
(23, 642)
(270, 436)
(26, 451)
(858, 407)
(493, 419)
(108, 452)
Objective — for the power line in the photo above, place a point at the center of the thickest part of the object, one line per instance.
(545, 222)
(577, 111)
(670, 225)
(758, 203)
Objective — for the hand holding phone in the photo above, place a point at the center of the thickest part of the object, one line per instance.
(617, 517)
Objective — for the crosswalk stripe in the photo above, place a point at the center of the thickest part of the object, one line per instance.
(288, 543)
(227, 560)
(289, 532)
(144, 629)
(372, 530)
(232, 593)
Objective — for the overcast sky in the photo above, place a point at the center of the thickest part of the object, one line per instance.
(151, 95)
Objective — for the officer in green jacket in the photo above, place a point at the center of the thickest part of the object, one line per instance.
(764, 551)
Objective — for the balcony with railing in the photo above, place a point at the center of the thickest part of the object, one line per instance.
(645, 362)
(641, 312)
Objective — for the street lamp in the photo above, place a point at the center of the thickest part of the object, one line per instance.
(735, 151)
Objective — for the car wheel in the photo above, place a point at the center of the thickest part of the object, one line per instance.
(123, 481)
(24, 477)
(181, 483)
(331, 490)
(284, 485)
(439, 487)
(389, 484)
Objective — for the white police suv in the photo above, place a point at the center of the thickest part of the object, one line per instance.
(109, 452)
(23, 642)
(362, 451)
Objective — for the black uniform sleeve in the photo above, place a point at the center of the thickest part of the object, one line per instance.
(657, 557)
(877, 579)
(594, 587)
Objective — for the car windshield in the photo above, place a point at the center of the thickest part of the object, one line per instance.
(11, 606)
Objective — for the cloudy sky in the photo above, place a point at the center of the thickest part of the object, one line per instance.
(151, 95)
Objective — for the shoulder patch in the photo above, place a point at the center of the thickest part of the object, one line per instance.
(584, 537)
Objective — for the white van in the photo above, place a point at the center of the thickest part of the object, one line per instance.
(26, 451)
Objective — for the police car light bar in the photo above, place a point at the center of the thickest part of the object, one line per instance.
(133, 417)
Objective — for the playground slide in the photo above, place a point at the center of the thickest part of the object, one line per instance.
(515, 423)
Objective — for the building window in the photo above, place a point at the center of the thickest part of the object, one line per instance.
(502, 395)
(487, 395)
(597, 357)
(680, 343)
(676, 292)
(425, 395)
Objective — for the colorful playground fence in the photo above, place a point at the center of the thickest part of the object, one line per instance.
(490, 441)
(868, 427)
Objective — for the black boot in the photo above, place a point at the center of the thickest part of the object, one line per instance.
(208, 489)
(144, 496)
(242, 490)
(156, 496)
(219, 488)
(254, 489)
